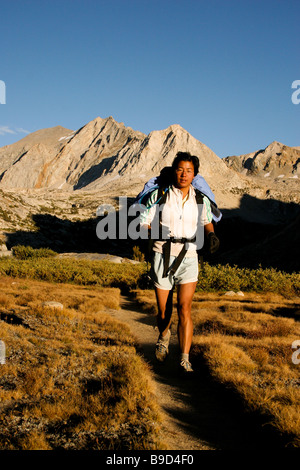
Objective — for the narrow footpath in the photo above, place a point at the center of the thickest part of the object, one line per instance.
(199, 413)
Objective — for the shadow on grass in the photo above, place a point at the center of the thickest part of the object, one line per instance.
(270, 239)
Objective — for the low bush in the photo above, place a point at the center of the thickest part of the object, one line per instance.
(25, 252)
(42, 264)
(137, 255)
(81, 272)
(226, 277)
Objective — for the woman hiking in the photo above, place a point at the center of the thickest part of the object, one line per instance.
(180, 220)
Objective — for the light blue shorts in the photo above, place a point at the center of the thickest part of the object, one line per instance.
(187, 271)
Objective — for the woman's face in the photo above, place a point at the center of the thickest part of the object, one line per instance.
(184, 174)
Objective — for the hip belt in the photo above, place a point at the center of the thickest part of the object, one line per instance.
(167, 252)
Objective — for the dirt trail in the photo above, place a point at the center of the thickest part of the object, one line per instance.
(199, 414)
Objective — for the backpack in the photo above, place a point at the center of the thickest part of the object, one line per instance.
(162, 183)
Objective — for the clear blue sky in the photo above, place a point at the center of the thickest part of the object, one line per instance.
(222, 69)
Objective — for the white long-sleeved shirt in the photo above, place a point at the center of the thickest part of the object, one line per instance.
(180, 218)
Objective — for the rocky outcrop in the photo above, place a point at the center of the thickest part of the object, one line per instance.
(275, 161)
(100, 153)
(22, 164)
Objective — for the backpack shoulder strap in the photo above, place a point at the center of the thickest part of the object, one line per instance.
(199, 196)
(162, 194)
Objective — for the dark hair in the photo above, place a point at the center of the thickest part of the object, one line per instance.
(186, 157)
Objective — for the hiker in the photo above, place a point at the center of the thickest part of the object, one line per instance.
(179, 220)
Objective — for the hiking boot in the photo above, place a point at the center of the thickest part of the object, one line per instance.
(162, 347)
(185, 366)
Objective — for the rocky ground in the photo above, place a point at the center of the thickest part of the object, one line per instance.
(260, 226)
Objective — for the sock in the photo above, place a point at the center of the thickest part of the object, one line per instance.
(184, 356)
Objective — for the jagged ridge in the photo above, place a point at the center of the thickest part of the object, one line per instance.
(99, 153)
(275, 161)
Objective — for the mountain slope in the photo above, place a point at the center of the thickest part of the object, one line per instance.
(100, 153)
(23, 163)
(275, 161)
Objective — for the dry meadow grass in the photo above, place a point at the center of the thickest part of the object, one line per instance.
(246, 341)
(72, 378)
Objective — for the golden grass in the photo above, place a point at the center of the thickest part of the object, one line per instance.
(146, 299)
(72, 378)
(247, 344)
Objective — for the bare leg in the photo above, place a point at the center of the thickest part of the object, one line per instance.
(185, 293)
(164, 300)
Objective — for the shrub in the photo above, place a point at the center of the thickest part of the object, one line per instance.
(40, 264)
(83, 272)
(137, 254)
(226, 277)
(25, 252)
